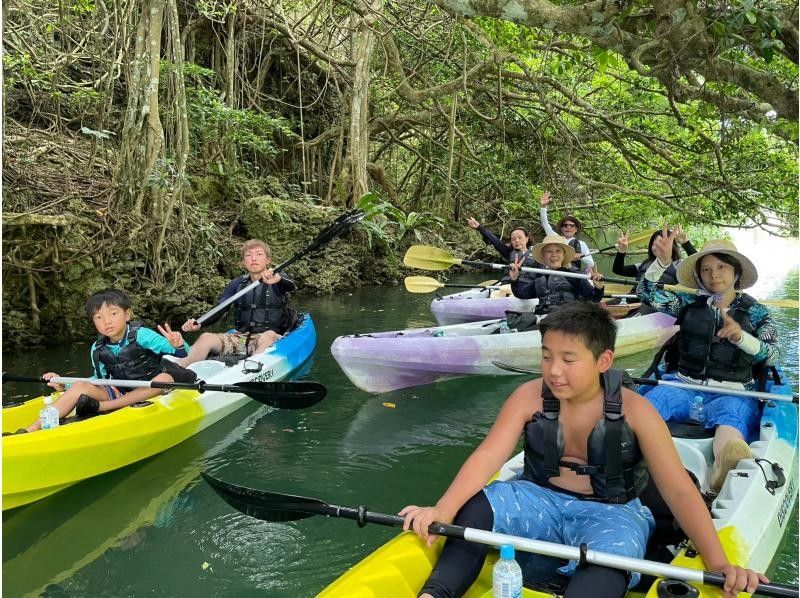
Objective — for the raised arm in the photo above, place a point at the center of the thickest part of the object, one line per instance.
(544, 201)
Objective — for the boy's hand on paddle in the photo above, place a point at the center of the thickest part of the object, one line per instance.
(190, 325)
(738, 579)
(418, 519)
(473, 223)
(544, 201)
(622, 243)
(174, 337)
(55, 385)
(730, 330)
(269, 276)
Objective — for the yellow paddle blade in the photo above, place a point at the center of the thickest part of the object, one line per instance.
(640, 238)
(787, 303)
(426, 257)
(613, 288)
(421, 284)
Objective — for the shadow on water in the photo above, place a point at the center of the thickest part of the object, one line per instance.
(152, 528)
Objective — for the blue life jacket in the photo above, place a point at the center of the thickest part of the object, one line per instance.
(616, 469)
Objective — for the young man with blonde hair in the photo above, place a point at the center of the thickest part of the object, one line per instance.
(261, 316)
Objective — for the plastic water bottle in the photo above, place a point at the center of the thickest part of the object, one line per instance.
(507, 575)
(504, 329)
(697, 410)
(49, 414)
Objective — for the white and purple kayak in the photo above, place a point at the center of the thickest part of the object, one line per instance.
(476, 305)
(385, 361)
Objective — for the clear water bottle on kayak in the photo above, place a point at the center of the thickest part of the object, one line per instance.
(506, 575)
(697, 411)
(504, 329)
(49, 414)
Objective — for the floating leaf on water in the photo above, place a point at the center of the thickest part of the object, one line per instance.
(390, 405)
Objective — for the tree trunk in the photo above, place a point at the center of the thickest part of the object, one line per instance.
(358, 146)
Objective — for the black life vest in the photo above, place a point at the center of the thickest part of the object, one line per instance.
(552, 290)
(670, 275)
(576, 245)
(134, 362)
(616, 469)
(260, 309)
(701, 353)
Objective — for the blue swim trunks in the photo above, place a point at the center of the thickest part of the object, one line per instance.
(522, 508)
(742, 413)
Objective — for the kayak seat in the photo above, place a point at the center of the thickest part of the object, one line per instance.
(667, 532)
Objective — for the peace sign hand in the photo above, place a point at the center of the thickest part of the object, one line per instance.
(513, 273)
(174, 337)
(662, 246)
(622, 243)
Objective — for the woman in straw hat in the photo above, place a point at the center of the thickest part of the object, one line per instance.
(569, 227)
(554, 253)
(724, 333)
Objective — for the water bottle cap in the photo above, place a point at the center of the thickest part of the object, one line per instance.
(48, 400)
(506, 551)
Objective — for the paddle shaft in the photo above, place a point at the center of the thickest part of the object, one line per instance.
(545, 271)
(263, 505)
(763, 396)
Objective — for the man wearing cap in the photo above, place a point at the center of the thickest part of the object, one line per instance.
(568, 227)
(724, 334)
(554, 253)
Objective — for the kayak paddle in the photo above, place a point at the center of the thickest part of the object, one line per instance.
(272, 506)
(426, 257)
(333, 230)
(426, 284)
(763, 396)
(282, 395)
(635, 239)
(679, 288)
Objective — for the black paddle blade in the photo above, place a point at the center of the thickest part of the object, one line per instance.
(9, 377)
(284, 395)
(267, 506)
(513, 368)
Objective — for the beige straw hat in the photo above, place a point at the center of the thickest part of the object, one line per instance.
(687, 267)
(569, 252)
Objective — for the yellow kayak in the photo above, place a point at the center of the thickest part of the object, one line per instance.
(41, 463)
(751, 514)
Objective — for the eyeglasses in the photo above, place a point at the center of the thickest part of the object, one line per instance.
(569, 225)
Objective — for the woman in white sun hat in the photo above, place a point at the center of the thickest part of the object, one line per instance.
(724, 333)
(554, 253)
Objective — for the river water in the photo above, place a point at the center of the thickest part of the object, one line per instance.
(154, 528)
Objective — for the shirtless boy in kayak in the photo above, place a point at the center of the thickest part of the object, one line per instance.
(561, 495)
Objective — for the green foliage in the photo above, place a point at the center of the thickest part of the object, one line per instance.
(388, 225)
(214, 123)
(727, 22)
